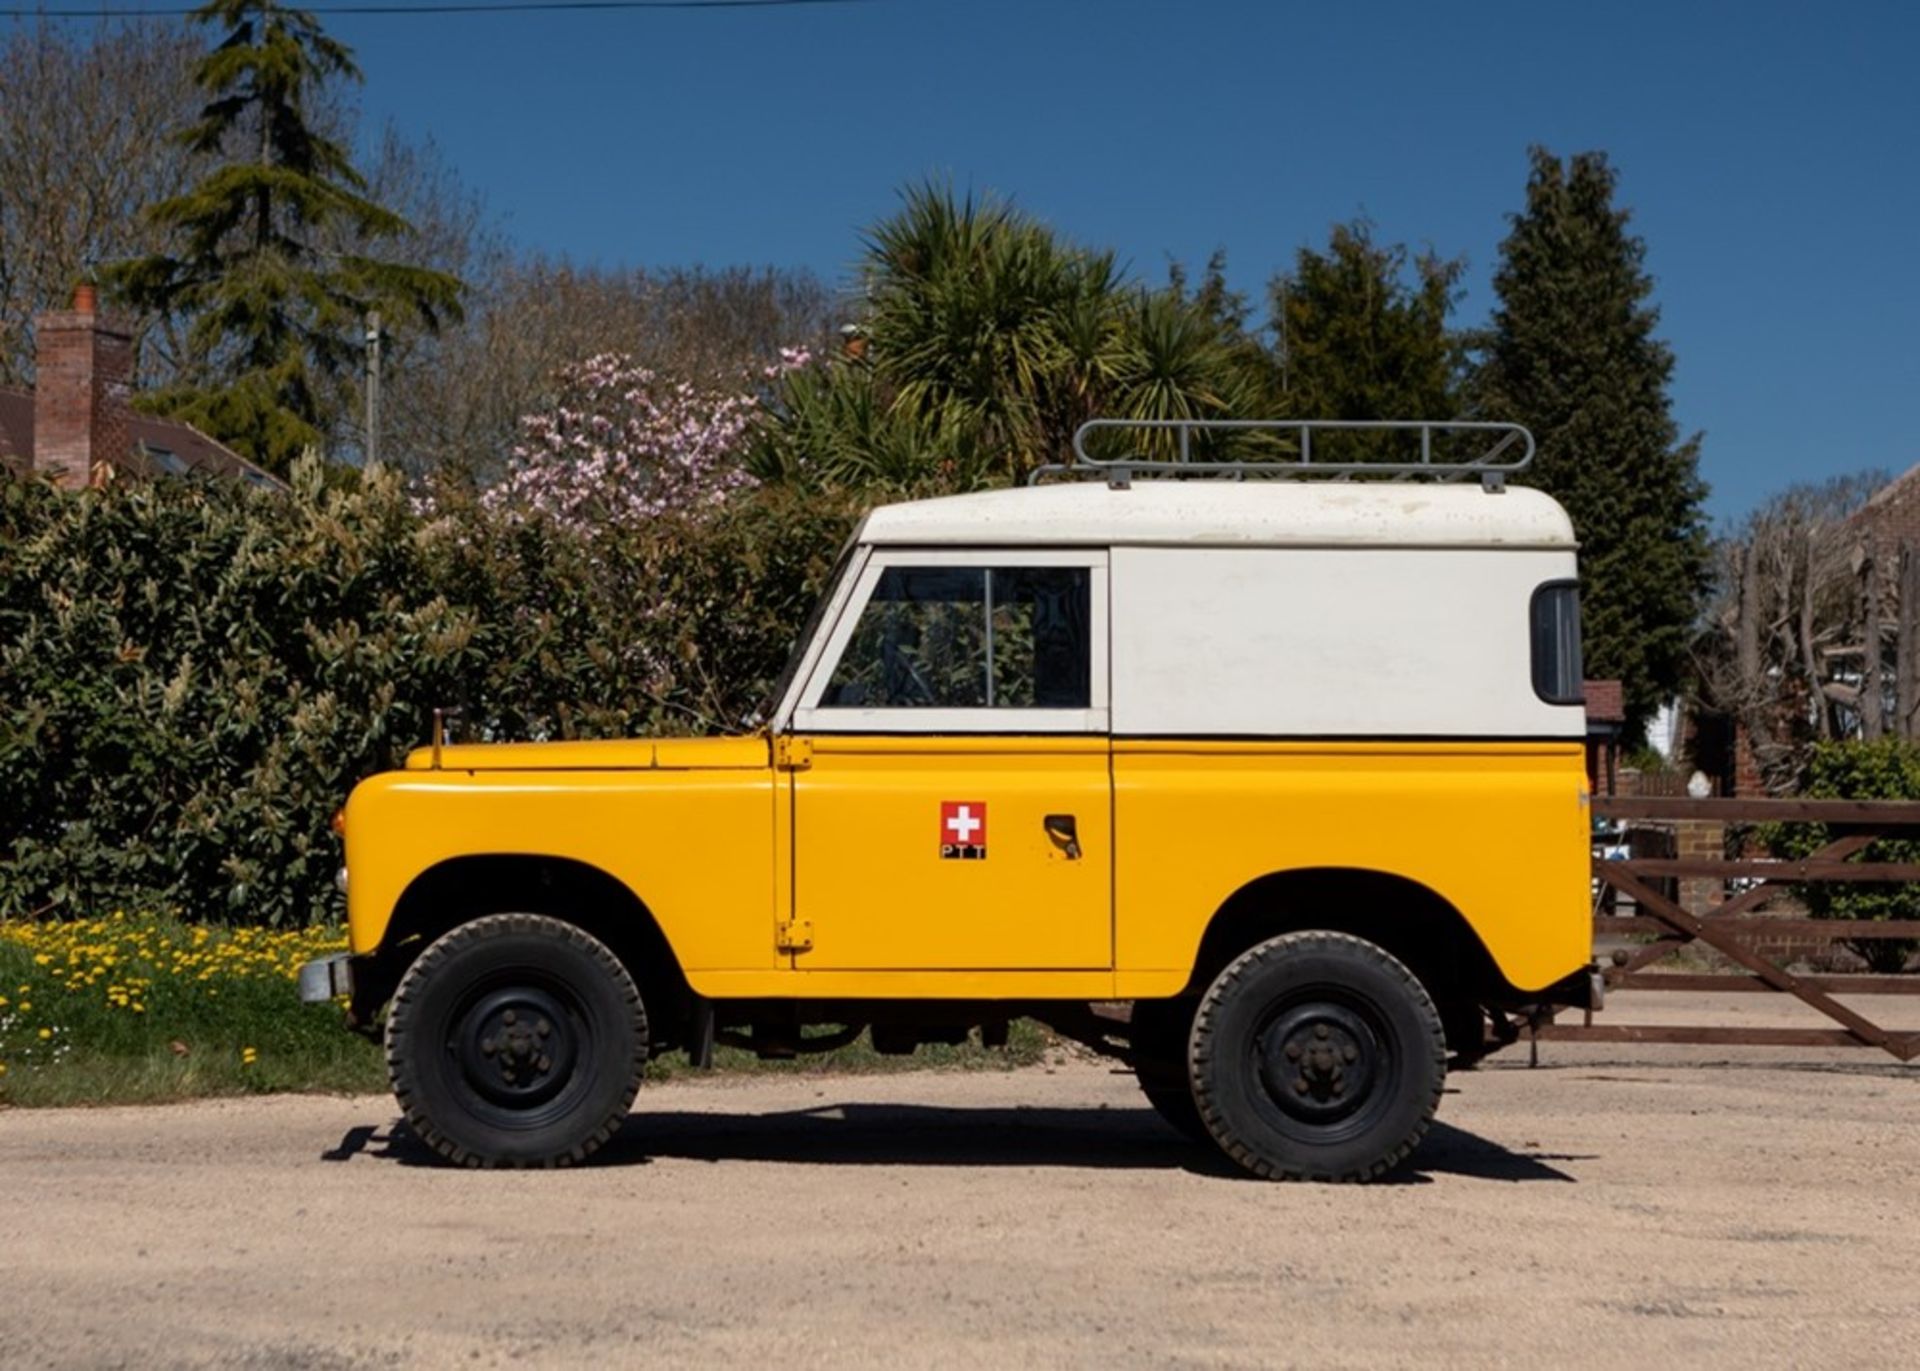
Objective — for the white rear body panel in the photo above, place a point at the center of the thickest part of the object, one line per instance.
(1338, 643)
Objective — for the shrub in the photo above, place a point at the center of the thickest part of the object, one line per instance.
(1888, 769)
(192, 676)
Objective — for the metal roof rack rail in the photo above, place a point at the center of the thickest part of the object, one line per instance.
(1491, 467)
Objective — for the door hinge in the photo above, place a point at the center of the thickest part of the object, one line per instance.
(792, 754)
(793, 935)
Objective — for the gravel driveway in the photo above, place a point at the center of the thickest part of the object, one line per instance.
(1616, 1206)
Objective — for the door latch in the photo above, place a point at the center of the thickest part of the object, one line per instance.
(1064, 833)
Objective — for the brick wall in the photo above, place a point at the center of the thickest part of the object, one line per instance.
(1700, 838)
(83, 365)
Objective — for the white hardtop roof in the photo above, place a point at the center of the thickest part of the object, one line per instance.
(1213, 512)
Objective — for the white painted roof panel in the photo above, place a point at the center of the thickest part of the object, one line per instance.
(1217, 513)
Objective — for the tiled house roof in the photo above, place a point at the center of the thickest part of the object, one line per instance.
(78, 426)
(156, 447)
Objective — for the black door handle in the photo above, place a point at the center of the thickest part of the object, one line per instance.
(1062, 829)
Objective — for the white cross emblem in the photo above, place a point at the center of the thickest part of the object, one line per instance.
(963, 825)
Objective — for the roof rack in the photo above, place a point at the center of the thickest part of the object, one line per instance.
(1491, 468)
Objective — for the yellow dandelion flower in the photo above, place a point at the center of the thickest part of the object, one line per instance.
(46, 1034)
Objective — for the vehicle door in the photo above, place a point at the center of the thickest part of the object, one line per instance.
(955, 808)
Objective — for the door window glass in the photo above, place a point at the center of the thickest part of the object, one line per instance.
(969, 638)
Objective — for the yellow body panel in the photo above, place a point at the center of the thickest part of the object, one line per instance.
(697, 847)
(871, 879)
(1499, 830)
(722, 847)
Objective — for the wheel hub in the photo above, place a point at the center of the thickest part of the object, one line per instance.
(1318, 1062)
(516, 1047)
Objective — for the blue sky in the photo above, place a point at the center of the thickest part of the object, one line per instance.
(1770, 154)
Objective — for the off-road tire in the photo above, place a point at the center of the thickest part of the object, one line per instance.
(477, 1015)
(1159, 1040)
(1321, 1114)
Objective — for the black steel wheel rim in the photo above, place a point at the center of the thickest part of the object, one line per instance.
(518, 1048)
(1323, 1064)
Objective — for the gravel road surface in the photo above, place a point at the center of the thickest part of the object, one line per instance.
(1614, 1207)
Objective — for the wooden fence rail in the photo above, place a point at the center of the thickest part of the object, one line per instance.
(1734, 925)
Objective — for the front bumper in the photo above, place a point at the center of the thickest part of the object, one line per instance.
(326, 979)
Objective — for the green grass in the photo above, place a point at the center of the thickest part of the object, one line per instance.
(123, 1010)
(129, 1010)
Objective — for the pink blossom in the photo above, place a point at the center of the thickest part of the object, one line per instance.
(622, 443)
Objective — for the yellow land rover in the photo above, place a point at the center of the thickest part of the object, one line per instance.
(1231, 747)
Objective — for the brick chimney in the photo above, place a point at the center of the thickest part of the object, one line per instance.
(83, 376)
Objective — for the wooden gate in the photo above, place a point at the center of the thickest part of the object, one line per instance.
(1727, 896)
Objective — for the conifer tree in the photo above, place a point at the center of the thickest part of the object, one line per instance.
(1356, 339)
(272, 266)
(1359, 336)
(1571, 353)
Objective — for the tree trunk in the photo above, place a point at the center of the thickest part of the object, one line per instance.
(1908, 643)
(1873, 699)
(1752, 696)
(1748, 628)
(1809, 654)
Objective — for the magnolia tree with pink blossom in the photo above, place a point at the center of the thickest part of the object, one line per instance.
(622, 443)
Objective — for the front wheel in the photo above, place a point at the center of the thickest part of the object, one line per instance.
(1317, 1056)
(516, 1040)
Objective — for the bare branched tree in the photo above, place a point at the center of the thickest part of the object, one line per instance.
(458, 400)
(87, 124)
(450, 230)
(86, 120)
(1785, 651)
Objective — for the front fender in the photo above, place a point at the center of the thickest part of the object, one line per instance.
(695, 847)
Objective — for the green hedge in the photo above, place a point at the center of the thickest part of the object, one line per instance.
(1888, 769)
(192, 676)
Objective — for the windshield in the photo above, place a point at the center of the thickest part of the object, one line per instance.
(808, 630)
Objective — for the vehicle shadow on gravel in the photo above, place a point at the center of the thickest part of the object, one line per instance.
(922, 1135)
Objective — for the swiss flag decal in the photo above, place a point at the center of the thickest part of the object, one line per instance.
(963, 829)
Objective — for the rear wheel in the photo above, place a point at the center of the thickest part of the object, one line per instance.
(516, 1040)
(1317, 1056)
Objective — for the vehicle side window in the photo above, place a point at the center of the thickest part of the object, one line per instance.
(969, 638)
(1556, 643)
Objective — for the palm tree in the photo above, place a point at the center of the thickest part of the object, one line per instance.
(988, 340)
